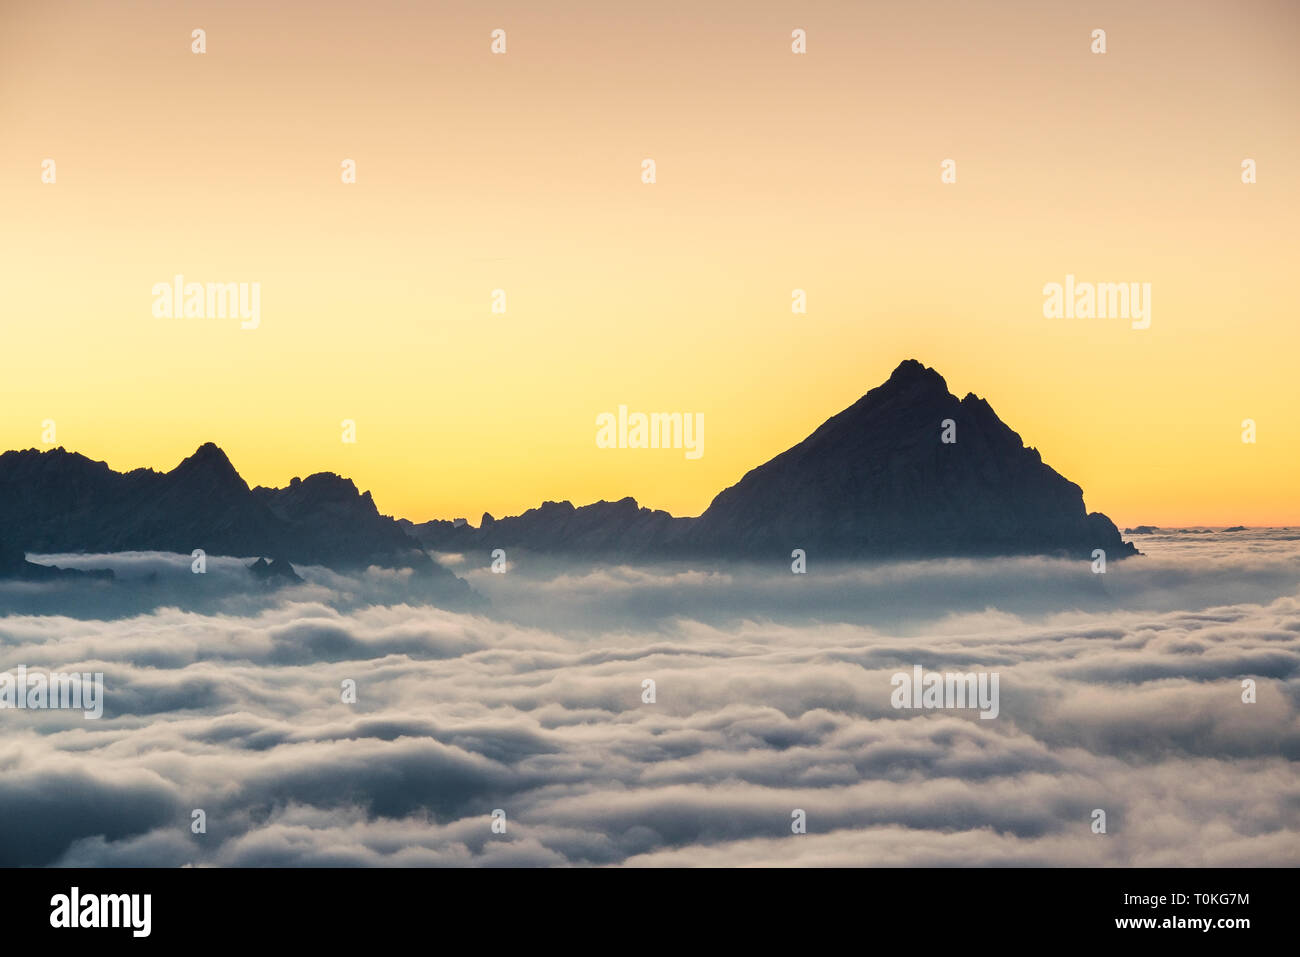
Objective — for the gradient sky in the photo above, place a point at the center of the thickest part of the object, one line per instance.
(775, 171)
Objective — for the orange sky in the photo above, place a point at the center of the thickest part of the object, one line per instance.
(775, 171)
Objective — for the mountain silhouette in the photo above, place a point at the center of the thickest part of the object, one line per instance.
(874, 481)
(878, 480)
(60, 501)
(602, 528)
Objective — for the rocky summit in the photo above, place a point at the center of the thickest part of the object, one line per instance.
(907, 471)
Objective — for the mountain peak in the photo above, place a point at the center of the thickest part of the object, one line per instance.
(210, 456)
(64, 502)
(887, 477)
(912, 371)
(207, 469)
(908, 470)
(909, 367)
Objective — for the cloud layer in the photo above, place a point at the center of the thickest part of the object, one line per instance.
(1120, 692)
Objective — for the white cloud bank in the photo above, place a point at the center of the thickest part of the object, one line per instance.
(1120, 692)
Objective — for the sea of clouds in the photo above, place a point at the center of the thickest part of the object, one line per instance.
(1120, 692)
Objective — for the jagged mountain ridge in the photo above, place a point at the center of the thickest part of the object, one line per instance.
(602, 528)
(60, 501)
(873, 481)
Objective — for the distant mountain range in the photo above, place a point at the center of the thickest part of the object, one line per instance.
(874, 481)
(59, 501)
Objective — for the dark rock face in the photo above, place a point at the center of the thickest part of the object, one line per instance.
(874, 481)
(337, 525)
(58, 501)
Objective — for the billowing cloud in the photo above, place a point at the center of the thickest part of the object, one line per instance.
(1120, 692)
